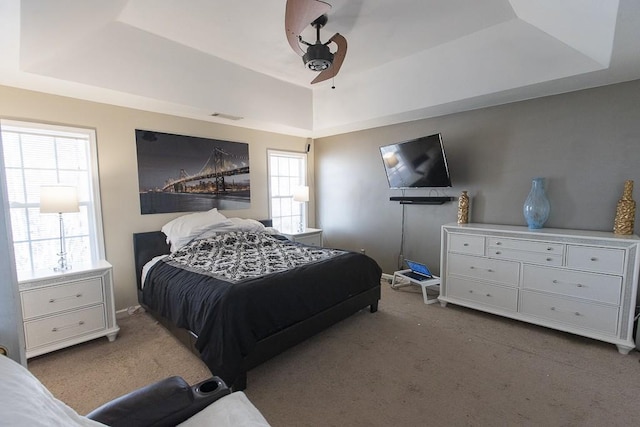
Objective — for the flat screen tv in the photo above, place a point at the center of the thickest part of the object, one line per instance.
(417, 163)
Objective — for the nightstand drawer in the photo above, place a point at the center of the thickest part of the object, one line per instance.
(309, 237)
(466, 244)
(310, 240)
(64, 326)
(55, 299)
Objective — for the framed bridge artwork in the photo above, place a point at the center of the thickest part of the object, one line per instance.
(178, 173)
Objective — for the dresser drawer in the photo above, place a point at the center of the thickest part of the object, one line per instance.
(591, 286)
(55, 299)
(526, 245)
(590, 258)
(503, 272)
(525, 256)
(64, 326)
(505, 298)
(466, 244)
(584, 315)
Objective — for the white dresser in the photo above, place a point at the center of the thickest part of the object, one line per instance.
(583, 282)
(63, 309)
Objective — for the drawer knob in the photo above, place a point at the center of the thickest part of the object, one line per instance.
(549, 249)
(465, 244)
(549, 259)
(489, 295)
(577, 313)
(556, 282)
(498, 243)
(594, 259)
(498, 252)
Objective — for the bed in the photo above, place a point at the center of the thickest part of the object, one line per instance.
(235, 321)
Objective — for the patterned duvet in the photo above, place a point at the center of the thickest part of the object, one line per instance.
(237, 256)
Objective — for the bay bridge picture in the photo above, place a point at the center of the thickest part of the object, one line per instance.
(179, 173)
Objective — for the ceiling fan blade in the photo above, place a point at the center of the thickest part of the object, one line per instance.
(298, 15)
(338, 59)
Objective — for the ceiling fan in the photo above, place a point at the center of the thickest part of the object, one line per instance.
(318, 56)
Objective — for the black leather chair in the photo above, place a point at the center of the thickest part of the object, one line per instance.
(25, 401)
(163, 404)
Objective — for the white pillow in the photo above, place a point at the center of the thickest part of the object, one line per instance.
(183, 229)
(234, 224)
(247, 224)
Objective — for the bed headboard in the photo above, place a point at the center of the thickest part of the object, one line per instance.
(145, 247)
(153, 243)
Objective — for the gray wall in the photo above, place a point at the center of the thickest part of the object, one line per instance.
(585, 144)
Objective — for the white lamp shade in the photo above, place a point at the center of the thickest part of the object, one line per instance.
(301, 194)
(58, 199)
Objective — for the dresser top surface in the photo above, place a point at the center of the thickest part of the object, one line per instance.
(522, 230)
(76, 270)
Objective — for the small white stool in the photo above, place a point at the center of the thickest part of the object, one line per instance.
(432, 284)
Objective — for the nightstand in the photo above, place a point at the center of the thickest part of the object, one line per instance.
(310, 236)
(63, 309)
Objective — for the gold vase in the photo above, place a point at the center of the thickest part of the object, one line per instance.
(626, 211)
(463, 208)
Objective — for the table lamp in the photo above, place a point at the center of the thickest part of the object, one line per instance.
(301, 194)
(59, 199)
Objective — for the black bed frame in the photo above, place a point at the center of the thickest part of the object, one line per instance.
(150, 244)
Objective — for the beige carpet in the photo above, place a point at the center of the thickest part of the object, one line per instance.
(406, 365)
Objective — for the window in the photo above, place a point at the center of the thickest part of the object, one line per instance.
(287, 170)
(36, 155)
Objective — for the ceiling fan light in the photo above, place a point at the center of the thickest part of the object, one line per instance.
(318, 64)
(318, 57)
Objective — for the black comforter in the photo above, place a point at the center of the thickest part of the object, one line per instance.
(229, 318)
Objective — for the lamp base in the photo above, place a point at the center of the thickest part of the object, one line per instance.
(62, 263)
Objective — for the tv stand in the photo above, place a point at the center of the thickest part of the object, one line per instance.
(410, 200)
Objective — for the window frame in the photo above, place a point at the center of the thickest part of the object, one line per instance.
(92, 203)
(303, 158)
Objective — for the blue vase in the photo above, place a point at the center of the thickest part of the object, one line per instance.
(536, 207)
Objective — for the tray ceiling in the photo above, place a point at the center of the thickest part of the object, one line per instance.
(407, 59)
